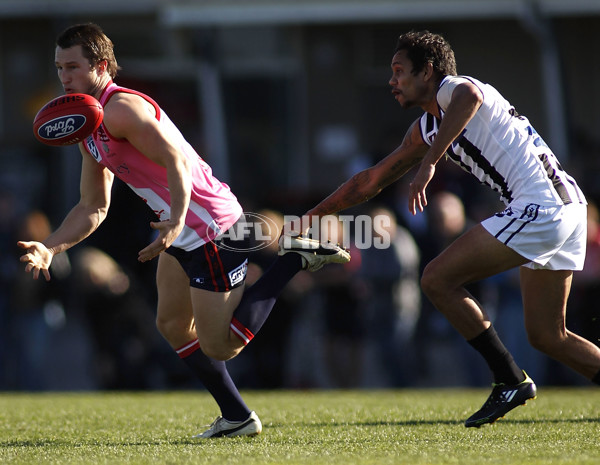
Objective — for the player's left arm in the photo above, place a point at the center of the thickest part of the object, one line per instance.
(130, 117)
(464, 103)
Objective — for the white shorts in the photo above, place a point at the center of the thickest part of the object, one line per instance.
(552, 238)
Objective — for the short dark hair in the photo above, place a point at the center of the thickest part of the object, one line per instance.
(96, 46)
(425, 47)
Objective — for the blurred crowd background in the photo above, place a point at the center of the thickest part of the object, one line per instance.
(285, 99)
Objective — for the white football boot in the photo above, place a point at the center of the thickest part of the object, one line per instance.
(224, 428)
(315, 254)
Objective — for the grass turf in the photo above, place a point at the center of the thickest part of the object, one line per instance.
(562, 426)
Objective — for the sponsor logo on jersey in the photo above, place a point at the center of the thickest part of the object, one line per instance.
(237, 275)
(102, 136)
(123, 168)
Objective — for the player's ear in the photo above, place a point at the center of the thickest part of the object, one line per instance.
(102, 65)
(428, 71)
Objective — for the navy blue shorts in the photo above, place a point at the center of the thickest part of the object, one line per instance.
(216, 266)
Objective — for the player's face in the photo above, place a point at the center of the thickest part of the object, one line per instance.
(75, 72)
(408, 89)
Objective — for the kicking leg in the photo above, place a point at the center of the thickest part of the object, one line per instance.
(176, 323)
(295, 253)
(227, 322)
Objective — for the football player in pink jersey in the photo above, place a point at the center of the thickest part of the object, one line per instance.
(204, 312)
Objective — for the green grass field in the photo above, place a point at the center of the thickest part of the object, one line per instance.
(562, 426)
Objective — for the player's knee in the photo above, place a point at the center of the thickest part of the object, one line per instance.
(220, 348)
(544, 341)
(172, 328)
(217, 351)
(430, 282)
(540, 343)
(438, 281)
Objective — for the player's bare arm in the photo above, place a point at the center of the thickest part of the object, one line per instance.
(130, 117)
(368, 183)
(466, 100)
(82, 220)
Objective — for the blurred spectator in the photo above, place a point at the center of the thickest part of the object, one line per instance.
(37, 312)
(444, 358)
(447, 219)
(8, 267)
(339, 292)
(121, 323)
(390, 301)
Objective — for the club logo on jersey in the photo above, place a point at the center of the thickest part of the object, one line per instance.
(531, 211)
(61, 127)
(91, 146)
(237, 275)
(506, 212)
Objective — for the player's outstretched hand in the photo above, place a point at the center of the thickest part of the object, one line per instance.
(417, 200)
(167, 233)
(38, 258)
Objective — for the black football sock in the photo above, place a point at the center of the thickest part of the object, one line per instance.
(215, 377)
(596, 378)
(498, 358)
(258, 300)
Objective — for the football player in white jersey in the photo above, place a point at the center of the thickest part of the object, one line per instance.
(542, 230)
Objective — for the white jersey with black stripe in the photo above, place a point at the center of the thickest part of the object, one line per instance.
(502, 150)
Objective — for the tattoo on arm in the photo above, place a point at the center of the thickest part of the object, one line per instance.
(398, 169)
(368, 183)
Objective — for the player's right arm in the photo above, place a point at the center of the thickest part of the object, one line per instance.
(368, 183)
(82, 220)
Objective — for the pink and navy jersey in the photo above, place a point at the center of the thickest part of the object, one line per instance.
(213, 207)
